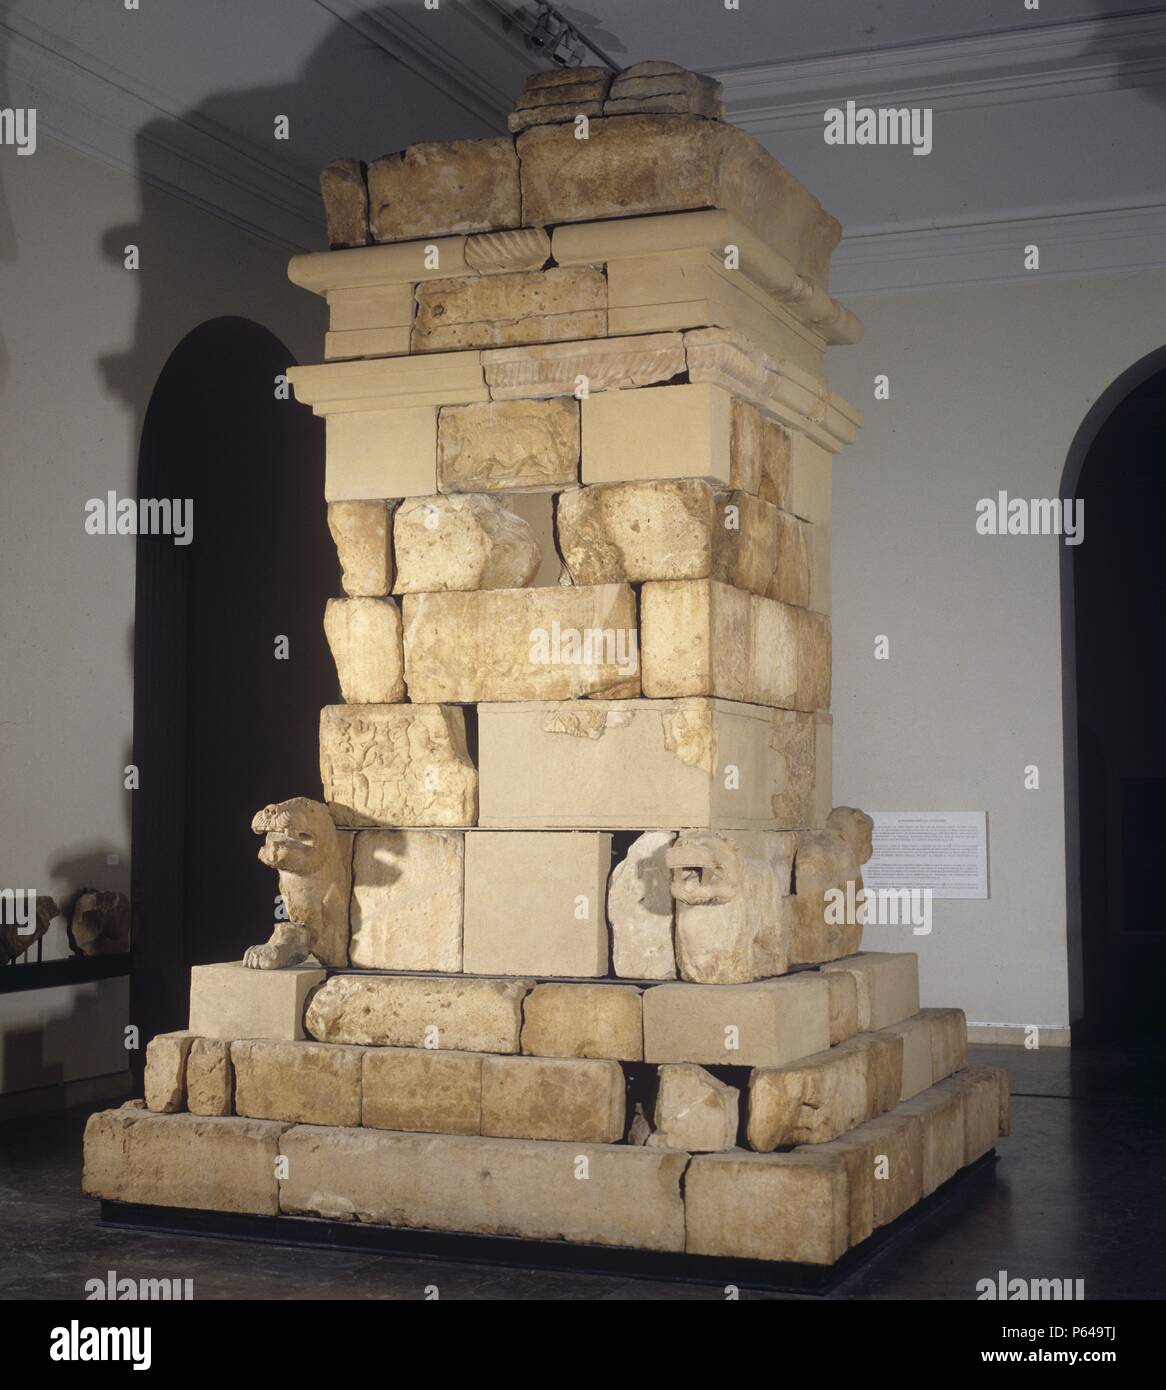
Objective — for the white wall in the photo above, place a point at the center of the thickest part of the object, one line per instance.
(988, 387)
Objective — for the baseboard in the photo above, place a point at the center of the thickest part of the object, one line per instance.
(1018, 1034)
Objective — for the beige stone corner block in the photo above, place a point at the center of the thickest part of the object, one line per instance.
(761, 454)
(364, 636)
(818, 545)
(208, 1164)
(430, 1011)
(640, 912)
(949, 1041)
(407, 897)
(914, 1034)
(595, 366)
(753, 1025)
(790, 580)
(568, 1098)
(814, 937)
(231, 1001)
(793, 1206)
(888, 1151)
(666, 432)
(378, 272)
(508, 446)
(375, 454)
(822, 800)
(497, 253)
(638, 765)
(983, 1089)
(843, 1005)
(345, 197)
(635, 164)
(661, 529)
(581, 1020)
(166, 1058)
(530, 306)
(364, 308)
(421, 1090)
(468, 541)
(513, 1187)
(362, 532)
(301, 1082)
(522, 644)
(888, 986)
(815, 659)
(210, 1078)
(436, 188)
(792, 744)
(535, 903)
(695, 1111)
(397, 765)
(390, 383)
(941, 1116)
(810, 489)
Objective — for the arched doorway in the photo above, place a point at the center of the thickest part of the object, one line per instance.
(221, 726)
(1113, 594)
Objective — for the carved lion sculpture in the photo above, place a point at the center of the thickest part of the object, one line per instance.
(14, 942)
(314, 862)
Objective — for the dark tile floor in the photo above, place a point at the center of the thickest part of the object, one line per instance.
(1077, 1193)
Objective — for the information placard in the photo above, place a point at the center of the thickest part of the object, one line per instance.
(945, 851)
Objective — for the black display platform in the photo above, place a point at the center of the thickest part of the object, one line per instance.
(515, 1251)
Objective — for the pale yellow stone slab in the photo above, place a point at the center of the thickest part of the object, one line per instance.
(888, 986)
(301, 1082)
(391, 383)
(362, 532)
(666, 432)
(582, 1020)
(576, 1099)
(352, 308)
(981, 1088)
(380, 271)
(422, 1090)
(345, 197)
(949, 1041)
(573, 369)
(354, 343)
(889, 1149)
(791, 578)
(695, 1111)
(407, 896)
(811, 469)
(165, 1078)
(508, 446)
(463, 542)
(210, 1078)
(843, 1005)
(374, 454)
(941, 1114)
(452, 186)
(364, 636)
(230, 1001)
(915, 1033)
(535, 306)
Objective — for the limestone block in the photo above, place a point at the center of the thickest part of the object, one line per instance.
(753, 1025)
(470, 541)
(364, 636)
(811, 467)
(667, 432)
(512, 1187)
(888, 986)
(407, 894)
(534, 903)
(367, 320)
(543, 104)
(794, 742)
(302, 1082)
(915, 1035)
(210, 1078)
(419, 1011)
(790, 579)
(817, 538)
(941, 1115)
(843, 1005)
(819, 929)
(602, 364)
(645, 83)
(694, 1111)
(746, 541)
(373, 454)
(639, 910)
(166, 1056)
(382, 385)
(893, 1149)
(822, 794)
(397, 765)
(638, 765)
(949, 1041)
(549, 85)
(420, 1090)
(647, 164)
(230, 1001)
(761, 454)
(508, 446)
(814, 659)
(553, 113)
(530, 306)
(575, 1099)
(522, 644)
(195, 1161)
(345, 196)
(981, 1087)
(793, 1206)
(578, 1020)
(452, 186)
(521, 248)
(362, 533)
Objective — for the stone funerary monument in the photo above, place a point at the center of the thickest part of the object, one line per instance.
(559, 959)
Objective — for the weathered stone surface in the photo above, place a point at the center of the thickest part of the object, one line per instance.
(553, 113)
(647, 164)
(419, 1011)
(843, 1005)
(166, 1056)
(948, 1029)
(639, 910)
(603, 364)
(694, 1111)
(553, 80)
(768, 1206)
(746, 541)
(762, 1024)
(362, 533)
(231, 1001)
(534, 903)
(345, 195)
(463, 542)
(819, 930)
(407, 895)
(981, 1088)
(914, 1034)
(817, 537)
(508, 446)
(529, 306)
(790, 579)
(302, 1082)
(761, 454)
(364, 635)
(421, 1090)
(891, 1147)
(518, 1187)
(210, 1077)
(578, 1020)
(543, 103)
(522, 644)
(494, 253)
(814, 659)
(567, 1098)
(888, 986)
(794, 740)
(941, 1115)
(669, 432)
(833, 856)
(397, 765)
(208, 1164)
(638, 765)
(455, 186)
(647, 88)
